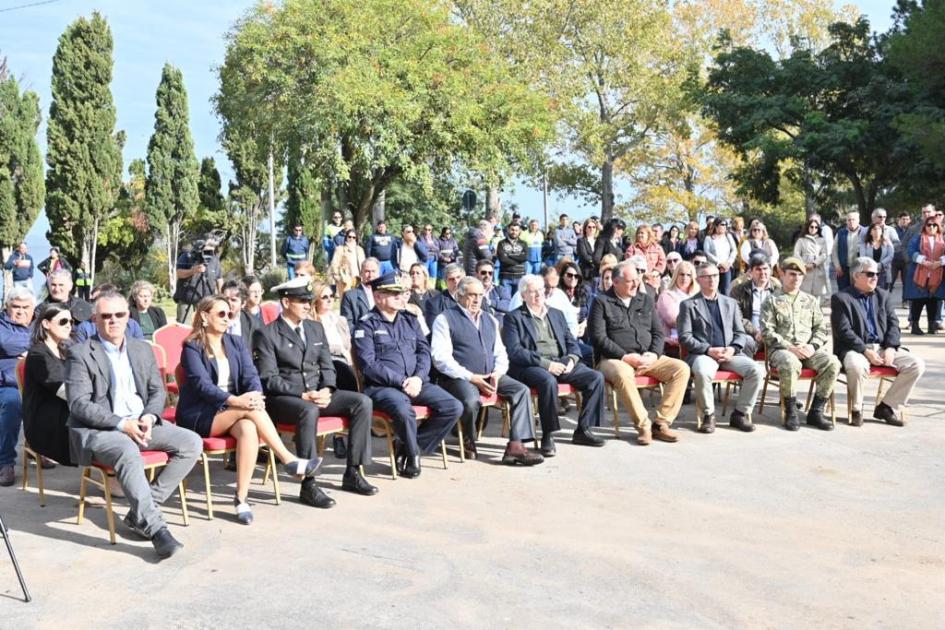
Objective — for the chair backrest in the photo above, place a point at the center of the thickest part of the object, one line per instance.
(179, 375)
(21, 375)
(270, 311)
(171, 339)
(160, 357)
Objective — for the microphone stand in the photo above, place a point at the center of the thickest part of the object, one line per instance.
(16, 565)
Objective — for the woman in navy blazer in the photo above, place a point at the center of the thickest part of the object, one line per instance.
(221, 395)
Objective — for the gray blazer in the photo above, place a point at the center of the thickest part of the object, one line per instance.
(694, 323)
(88, 389)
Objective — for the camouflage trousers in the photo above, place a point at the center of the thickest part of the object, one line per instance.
(789, 367)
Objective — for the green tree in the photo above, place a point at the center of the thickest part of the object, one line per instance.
(212, 213)
(83, 153)
(377, 91)
(172, 196)
(303, 204)
(126, 237)
(21, 166)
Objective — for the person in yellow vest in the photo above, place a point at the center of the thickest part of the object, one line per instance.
(82, 280)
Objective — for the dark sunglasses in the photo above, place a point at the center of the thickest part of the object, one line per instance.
(107, 316)
(327, 297)
(571, 274)
(870, 274)
(62, 321)
(221, 313)
(935, 225)
(485, 273)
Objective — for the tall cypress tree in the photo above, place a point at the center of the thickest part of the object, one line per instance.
(303, 203)
(84, 152)
(21, 165)
(211, 211)
(173, 173)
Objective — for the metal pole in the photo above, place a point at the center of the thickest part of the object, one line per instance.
(544, 197)
(16, 565)
(272, 210)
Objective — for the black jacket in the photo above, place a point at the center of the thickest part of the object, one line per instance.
(521, 338)
(848, 321)
(354, 306)
(585, 259)
(156, 314)
(616, 330)
(512, 255)
(603, 247)
(285, 367)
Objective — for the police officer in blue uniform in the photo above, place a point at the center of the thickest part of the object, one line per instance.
(294, 249)
(394, 358)
(381, 246)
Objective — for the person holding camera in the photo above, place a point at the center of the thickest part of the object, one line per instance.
(198, 276)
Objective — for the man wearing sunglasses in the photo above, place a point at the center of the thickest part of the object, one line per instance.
(846, 248)
(116, 397)
(866, 334)
(795, 334)
(497, 298)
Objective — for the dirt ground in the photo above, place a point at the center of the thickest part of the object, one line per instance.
(731, 530)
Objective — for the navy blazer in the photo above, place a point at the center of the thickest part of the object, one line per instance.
(848, 322)
(200, 397)
(521, 338)
(354, 305)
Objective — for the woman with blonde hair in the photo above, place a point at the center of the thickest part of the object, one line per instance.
(682, 286)
(346, 263)
(336, 332)
(757, 240)
(648, 247)
(690, 243)
(222, 395)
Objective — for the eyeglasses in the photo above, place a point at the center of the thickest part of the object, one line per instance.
(221, 313)
(871, 274)
(483, 272)
(571, 274)
(813, 225)
(20, 307)
(119, 315)
(755, 229)
(709, 275)
(935, 225)
(641, 271)
(63, 321)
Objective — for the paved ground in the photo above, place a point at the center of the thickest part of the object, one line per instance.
(771, 529)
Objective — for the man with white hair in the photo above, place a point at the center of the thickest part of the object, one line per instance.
(846, 248)
(472, 362)
(542, 354)
(14, 343)
(878, 217)
(639, 263)
(59, 286)
(866, 334)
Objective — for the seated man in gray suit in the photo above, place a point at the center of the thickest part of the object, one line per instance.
(711, 331)
(116, 398)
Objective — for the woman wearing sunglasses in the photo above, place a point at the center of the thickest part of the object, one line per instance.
(346, 263)
(926, 256)
(811, 247)
(221, 395)
(45, 409)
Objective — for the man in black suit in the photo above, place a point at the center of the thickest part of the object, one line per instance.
(358, 301)
(116, 398)
(542, 353)
(298, 378)
(242, 324)
(865, 334)
(445, 299)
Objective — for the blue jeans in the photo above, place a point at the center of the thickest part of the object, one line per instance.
(386, 267)
(290, 271)
(10, 419)
(511, 283)
(432, 268)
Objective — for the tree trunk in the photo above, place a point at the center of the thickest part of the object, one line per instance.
(379, 209)
(493, 203)
(93, 247)
(607, 190)
(810, 202)
(272, 212)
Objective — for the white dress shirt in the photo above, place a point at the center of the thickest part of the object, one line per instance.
(441, 348)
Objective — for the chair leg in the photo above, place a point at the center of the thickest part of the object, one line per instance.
(42, 482)
(83, 487)
(26, 469)
(616, 406)
(320, 445)
(206, 484)
(443, 453)
(271, 465)
(481, 422)
(879, 390)
(109, 511)
(182, 489)
(462, 451)
(390, 453)
(833, 408)
(810, 396)
(761, 401)
(728, 395)
(506, 419)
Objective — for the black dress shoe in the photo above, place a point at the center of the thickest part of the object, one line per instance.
(586, 438)
(135, 525)
(469, 447)
(354, 482)
(164, 544)
(916, 330)
(856, 418)
(548, 445)
(411, 469)
(708, 423)
(314, 496)
(338, 445)
(886, 413)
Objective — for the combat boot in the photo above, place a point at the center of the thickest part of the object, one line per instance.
(815, 416)
(791, 422)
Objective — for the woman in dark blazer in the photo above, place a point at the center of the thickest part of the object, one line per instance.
(149, 317)
(221, 395)
(585, 250)
(45, 409)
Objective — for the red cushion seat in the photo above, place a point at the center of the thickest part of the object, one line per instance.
(149, 458)
(646, 381)
(885, 371)
(169, 415)
(489, 401)
(563, 389)
(726, 375)
(421, 411)
(326, 424)
(219, 443)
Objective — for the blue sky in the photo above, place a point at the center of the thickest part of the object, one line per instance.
(190, 36)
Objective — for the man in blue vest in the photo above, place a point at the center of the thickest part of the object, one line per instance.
(472, 362)
(393, 355)
(846, 248)
(381, 245)
(294, 249)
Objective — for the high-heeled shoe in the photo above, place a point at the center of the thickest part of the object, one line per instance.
(303, 467)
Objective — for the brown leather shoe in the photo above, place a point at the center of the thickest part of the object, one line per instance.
(645, 435)
(517, 455)
(469, 446)
(663, 432)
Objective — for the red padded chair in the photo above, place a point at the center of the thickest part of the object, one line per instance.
(29, 455)
(152, 460)
(488, 402)
(383, 423)
(564, 389)
(642, 382)
(883, 373)
(223, 445)
(807, 374)
(270, 311)
(171, 339)
(327, 425)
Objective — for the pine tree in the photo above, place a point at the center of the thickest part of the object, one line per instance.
(84, 152)
(211, 211)
(303, 205)
(171, 192)
(21, 165)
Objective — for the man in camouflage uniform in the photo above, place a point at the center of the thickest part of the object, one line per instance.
(795, 334)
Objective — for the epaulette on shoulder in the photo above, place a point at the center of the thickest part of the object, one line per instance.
(365, 317)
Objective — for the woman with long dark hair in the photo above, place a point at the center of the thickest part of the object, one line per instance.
(670, 239)
(585, 250)
(926, 250)
(880, 249)
(45, 409)
(610, 240)
(721, 250)
(222, 395)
